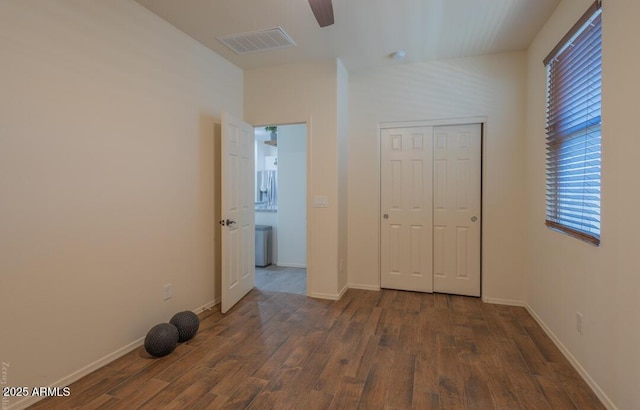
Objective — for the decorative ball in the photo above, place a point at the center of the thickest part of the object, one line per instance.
(161, 339)
(187, 323)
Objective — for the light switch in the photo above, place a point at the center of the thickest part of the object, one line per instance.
(320, 201)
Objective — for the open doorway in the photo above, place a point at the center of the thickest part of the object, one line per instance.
(281, 208)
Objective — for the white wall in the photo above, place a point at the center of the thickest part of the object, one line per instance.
(292, 195)
(298, 93)
(565, 275)
(491, 86)
(106, 177)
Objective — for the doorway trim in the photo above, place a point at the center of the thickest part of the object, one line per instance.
(482, 120)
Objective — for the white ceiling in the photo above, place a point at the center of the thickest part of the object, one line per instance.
(365, 31)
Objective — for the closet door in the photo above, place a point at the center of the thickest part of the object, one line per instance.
(456, 209)
(406, 205)
(430, 209)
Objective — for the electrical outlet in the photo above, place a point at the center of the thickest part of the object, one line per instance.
(579, 322)
(168, 291)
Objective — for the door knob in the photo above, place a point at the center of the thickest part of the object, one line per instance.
(474, 218)
(385, 216)
(227, 222)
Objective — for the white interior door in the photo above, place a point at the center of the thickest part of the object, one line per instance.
(456, 209)
(406, 205)
(238, 217)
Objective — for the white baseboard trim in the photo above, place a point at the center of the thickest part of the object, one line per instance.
(291, 265)
(207, 306)
(364, 287)
(507, 302)
(328, 296)
(574, 362)
(78, 374)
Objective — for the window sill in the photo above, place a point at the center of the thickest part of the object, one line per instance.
(591, 240)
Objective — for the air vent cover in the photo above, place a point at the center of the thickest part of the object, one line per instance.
(256, 41)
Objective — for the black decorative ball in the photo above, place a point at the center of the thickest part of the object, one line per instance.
(161, 339)
(187, 323)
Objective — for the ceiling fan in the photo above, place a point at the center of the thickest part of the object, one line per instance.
(323, 10)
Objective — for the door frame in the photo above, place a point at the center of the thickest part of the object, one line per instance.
(308, 206)
(482, 120)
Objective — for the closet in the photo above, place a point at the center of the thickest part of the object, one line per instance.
(430, 224)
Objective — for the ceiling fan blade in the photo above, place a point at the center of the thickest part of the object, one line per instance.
(323, 10)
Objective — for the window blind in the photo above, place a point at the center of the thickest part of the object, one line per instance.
(573, 130)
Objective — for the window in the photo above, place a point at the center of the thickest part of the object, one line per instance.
(573, 130)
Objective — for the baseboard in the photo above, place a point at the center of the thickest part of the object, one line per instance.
(574, 362)
(364, 287)
(207, 305)
(291, 265)
(342, 292)
(328, 296)
(79, 374)
(507, 302)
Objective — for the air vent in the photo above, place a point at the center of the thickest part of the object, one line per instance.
(246, 43)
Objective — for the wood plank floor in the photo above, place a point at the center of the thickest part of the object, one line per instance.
(369, 350)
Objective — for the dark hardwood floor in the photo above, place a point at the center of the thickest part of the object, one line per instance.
(369, 350)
